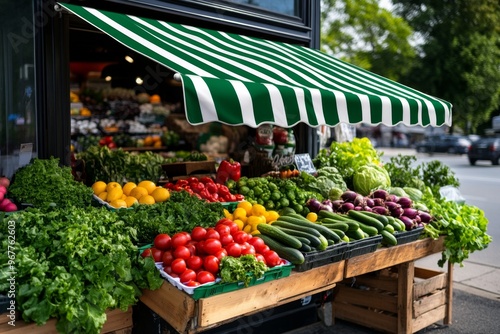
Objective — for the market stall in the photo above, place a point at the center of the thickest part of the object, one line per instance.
(238, 80)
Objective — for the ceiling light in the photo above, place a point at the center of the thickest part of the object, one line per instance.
(138, 81)
(129, 59)
(108, 78)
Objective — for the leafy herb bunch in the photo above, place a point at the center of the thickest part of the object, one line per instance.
(43, 183)
(73, 264)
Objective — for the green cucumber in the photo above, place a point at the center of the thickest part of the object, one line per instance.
(355, 235)
(325, 231)
(388, 238)
(400, 222)
(340, 233)
(395, 223)
(313, 240)
(365, 219)
(298, 227)
(288, 253)
(323, 214)
(336, 225)
(370, 230)
(277, 234)
(305, 248)
(381, 218)
(389, 228)
(352, 226)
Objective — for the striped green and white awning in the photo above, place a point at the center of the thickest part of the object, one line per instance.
(236, 79)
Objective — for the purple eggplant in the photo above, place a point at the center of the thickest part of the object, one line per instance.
(380, 193)
(337, 204)
(313, 204)
(381, 210)
(359, 200)
(425, 217)
(369, 202)
(410, 213)
(348, 196)
(405, 202)
(347, 206)
(378, 201)
(407, 221)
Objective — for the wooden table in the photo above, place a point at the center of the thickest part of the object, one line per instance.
(187, 315)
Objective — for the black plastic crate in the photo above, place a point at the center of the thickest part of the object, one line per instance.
(405, 237)
(363, 246)
(331, 254)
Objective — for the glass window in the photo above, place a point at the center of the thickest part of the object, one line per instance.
(17, 90)
(287, 7)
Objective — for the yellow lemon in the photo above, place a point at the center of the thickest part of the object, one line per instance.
(150, 186)
(245, 205)
(130, 201)
(247, 228)
(160, 194)
(124, 196)
(272, 215)
(147, 199)
(240, 213)
(112, 185)
(240, 223)
(227, 214)
(312, 217)
(99, 187)
(138, 192)
(127, 187)
(258, 210)
(114, 194)
(255, 220)
(103, 195)
(118, 203)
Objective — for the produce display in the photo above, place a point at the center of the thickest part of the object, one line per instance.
(118, 196)
(205, 188)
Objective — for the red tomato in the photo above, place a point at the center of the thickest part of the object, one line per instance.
(223, 229)
(194, 262)
(167, 269)
(223, 221)
(257, 243)
(192, 247)
(193, 283)
(211, 264)
(147, 252)
(264, 249)
(200, 247)
(162, 241)
(220, 254)
(212, 246)
(167, 258)
(212, 234)
(187, 275)
(247, 249)
(198, 233)
(226, 239)
(157, 254)
(272, 258)
(260, 257)
(182, 252)
(187, 234)
(179, 239)
(178, 266)
(174, 275)
(233, 249)
(233, 227)
(205, 277)
(241, 237)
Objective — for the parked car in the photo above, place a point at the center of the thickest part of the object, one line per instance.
(453, 144)
(485, 149)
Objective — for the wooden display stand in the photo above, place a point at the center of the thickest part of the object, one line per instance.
(395, 299)
(186, 315)
(118, 322)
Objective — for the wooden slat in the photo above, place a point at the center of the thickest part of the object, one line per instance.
(405, 292)
(117, 320)
(428, 303)
(429, 318)
(227, 306)
(366, 298)
(365, 317)
(173, 305)
(381, 282)
(429, 282)
(449, 295)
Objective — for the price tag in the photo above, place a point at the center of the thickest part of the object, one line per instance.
(304, 163)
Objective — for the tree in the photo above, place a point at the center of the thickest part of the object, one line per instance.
(459, 55)
(362, 33)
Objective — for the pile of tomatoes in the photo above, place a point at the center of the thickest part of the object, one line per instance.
(194, 257)
(205, 188)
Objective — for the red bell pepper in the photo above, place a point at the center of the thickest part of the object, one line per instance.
(228, 169)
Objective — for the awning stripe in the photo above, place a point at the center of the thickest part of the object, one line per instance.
(236, 79)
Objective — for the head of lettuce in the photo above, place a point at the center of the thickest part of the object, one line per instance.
(370, 177)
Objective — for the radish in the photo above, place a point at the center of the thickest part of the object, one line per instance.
(4, 203)
(3, 189)
(10, 207)
(4, 182)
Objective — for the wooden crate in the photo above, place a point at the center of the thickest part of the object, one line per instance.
(188, 168)
(375, 299)
(118, 322)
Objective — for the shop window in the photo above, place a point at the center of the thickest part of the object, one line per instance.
(287, 7)
(17, 86)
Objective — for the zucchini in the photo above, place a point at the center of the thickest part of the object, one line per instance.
(388, 238)
(298, 227)
(305, 248)
(325, 231)
(396, 224)
(303, 240)
(389, 228)
(323, 214)
(313, 241)
(365, 219)
(352, 226)
(288, 253)
(400, 222)
(336, 225)
(381, 218)
(370, 230)
(281, 236)
(340, 233)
